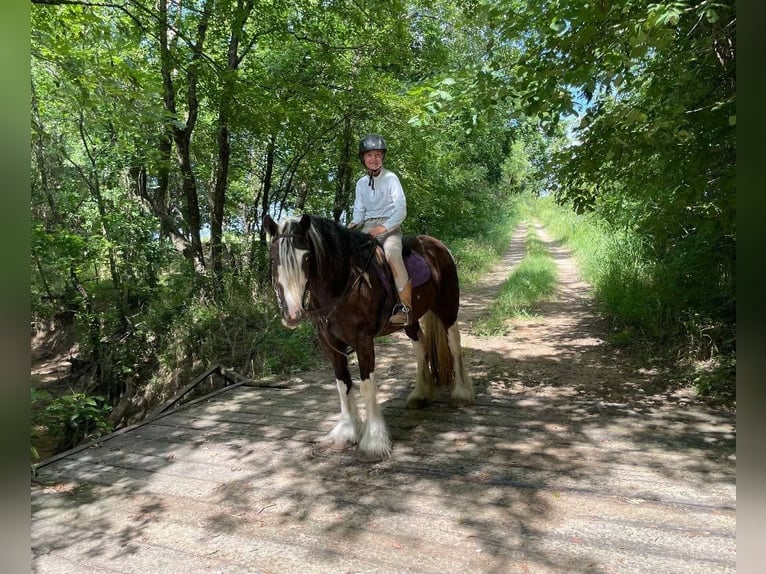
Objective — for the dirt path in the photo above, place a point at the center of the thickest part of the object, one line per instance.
(562, 351)
(639, 450)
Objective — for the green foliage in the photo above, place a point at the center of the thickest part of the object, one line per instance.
(70, 419)
(655, 162)
(484, 238)
(298, 350)
(240, 329)
(533, 281)
(715, 378)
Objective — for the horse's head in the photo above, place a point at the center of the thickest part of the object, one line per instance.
(290, 255)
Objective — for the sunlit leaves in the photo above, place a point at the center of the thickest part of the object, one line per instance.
(666, 14)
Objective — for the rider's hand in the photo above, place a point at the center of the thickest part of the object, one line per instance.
(375, 231)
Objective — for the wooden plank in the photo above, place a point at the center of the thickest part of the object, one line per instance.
(370, 519)
(520, 461)
(408, 470)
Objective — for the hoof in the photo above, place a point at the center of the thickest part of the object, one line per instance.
(417, 402)
(379, 450)
(462, 396)
(375, 443)
(343, 435)
(461, 401)
(369, 457)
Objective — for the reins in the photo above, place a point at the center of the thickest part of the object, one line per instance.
(321, 319)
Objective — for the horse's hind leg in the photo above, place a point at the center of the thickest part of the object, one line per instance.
(462, 389)
(425, 388)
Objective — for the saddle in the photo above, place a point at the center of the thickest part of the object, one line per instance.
(416, 265)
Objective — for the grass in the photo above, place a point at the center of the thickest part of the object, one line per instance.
(476, 253)
(614, 264)
(534, 280)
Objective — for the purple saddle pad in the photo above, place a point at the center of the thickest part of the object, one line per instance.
(417, 267)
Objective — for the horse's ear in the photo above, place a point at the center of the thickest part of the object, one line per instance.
(270, 225)
(305, 224)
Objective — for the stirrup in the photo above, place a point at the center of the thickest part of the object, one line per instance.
(401, 315)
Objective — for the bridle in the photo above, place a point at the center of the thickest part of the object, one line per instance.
(323, 315)
(320, 317)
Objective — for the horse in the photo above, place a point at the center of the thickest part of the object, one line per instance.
(339, 279)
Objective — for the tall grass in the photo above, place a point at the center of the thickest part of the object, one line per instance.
(615, 264)
(478, 247)
(627, 283)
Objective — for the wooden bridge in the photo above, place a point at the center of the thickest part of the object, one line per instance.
(236, 482)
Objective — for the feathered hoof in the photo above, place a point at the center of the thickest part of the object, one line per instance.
(373, 457)
(462, 397)
(342, 436)
(375, 445)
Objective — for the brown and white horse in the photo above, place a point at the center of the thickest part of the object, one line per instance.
(338, 279)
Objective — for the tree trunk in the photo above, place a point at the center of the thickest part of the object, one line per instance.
(39, 151)
(266, 194)
(181, 134)
(189, 187)
(343, 180)
(243, 11)
(156, 203)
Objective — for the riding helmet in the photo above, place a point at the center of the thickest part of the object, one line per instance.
(371, 142)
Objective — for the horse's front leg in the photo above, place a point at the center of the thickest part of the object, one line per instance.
(348, 430)
(375, 441)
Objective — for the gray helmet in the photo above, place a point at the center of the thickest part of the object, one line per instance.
(371, 142)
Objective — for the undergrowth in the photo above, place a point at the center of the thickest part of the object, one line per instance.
(476, 250)
(64, 422)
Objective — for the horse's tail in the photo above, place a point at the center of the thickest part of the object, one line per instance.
(436, 346)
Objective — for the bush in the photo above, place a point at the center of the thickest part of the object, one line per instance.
(74, 419)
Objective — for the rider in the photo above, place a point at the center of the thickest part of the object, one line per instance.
(380, 207)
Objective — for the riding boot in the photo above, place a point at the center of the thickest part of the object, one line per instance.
(402, 314)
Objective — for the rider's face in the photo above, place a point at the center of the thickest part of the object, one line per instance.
(373, 159)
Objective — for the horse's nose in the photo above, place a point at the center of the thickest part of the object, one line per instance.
(291, 318)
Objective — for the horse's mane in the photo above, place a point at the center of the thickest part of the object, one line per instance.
(336, 248)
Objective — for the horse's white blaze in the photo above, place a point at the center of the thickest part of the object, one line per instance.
(349, 428)
(462, 391)
(291, 277)
(292, 280)
(375, 440)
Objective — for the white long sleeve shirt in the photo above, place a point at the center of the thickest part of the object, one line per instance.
(386, 199)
